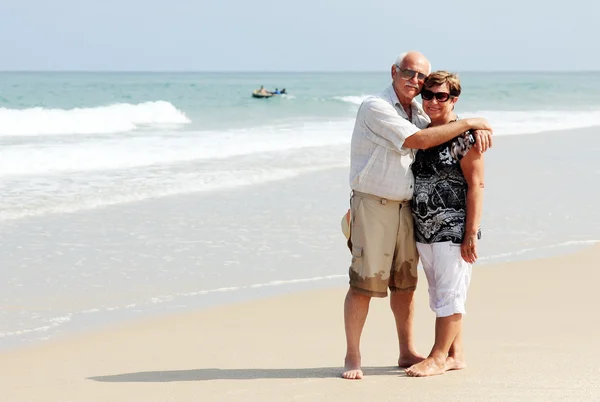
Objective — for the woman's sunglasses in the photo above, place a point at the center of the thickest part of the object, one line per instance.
(439, 96)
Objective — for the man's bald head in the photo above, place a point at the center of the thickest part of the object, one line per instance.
(413, 57)
(408, 74)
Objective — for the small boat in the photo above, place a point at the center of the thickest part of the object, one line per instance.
(267, 94)
(256, 94)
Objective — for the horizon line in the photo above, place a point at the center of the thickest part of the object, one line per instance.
(278, 71)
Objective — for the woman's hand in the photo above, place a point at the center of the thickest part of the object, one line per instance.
(468, 248)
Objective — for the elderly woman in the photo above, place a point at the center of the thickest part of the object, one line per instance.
(447, 205)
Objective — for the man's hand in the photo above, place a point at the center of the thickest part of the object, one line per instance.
(482, 132)
(483, 140)
(468, 248)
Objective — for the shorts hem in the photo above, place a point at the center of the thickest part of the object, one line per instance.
(447, 311)
(366, 292)
(404, 290)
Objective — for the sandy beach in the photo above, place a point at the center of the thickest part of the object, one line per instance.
(531, 334)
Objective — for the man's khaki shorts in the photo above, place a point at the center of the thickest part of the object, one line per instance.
(384, 251)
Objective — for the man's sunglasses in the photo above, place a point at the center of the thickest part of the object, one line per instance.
(439, 96)
(409, 74)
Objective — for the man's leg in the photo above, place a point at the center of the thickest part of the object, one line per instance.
(446, 330)
(356, 307)
(374, 224)
(403, 283)
(403, 308)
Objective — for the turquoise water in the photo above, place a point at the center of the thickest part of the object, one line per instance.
(222, 100)
(148, 135)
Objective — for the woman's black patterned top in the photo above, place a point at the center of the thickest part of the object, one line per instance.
(439, 202)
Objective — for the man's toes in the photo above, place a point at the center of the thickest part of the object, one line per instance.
(352, 375)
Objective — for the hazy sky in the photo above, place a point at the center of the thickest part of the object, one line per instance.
(300, 35)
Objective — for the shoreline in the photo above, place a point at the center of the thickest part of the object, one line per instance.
(527, 324)
(215, 298)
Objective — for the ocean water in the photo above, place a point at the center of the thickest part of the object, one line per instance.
(70, 141)
(77, 142)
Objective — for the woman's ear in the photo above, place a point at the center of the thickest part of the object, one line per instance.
(454, 100)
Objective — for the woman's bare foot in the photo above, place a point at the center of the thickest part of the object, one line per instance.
(427, 367)
(408, 359)
(352, 369)
(455, 363)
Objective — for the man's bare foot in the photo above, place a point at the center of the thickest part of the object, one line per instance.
(427, 367)
(408, 359)
(455, 363)
(352, 369)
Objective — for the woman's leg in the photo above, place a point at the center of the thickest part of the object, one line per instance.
(451, 276)
(456, 356)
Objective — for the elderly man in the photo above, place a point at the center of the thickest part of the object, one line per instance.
(389, 129)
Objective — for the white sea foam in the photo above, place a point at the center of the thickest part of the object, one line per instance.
(215, 181)
(354, 99)
(121, 117)
(521, 122)
(537, 121)
(55, 322)
(128, 152)
(50, 324)
(533, 250)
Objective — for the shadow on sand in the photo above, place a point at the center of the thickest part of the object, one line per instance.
(208, 374)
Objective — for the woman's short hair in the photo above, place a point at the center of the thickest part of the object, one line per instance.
(442, 77)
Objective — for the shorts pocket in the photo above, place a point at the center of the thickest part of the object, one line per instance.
(357, 251)
(449, 248)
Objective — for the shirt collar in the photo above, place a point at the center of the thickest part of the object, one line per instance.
(392, 98)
